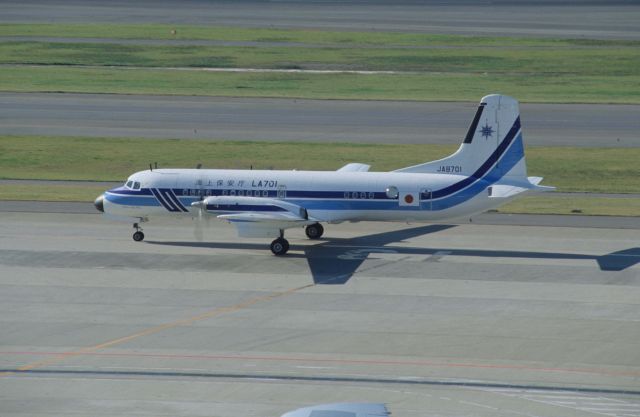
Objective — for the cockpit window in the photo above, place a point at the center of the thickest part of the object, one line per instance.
(136, 185)
(129, 184)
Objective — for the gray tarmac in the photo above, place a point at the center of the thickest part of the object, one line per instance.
(567, 19)
(106, 115)
(434, 320)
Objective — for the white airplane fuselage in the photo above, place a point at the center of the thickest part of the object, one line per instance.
(487, 170)
(328, 196)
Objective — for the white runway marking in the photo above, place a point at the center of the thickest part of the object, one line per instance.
(579, 401)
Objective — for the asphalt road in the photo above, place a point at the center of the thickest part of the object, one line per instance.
(568, 19)
(436, 320)
(388, 122)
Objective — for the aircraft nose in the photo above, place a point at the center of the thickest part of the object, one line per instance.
(99, 203)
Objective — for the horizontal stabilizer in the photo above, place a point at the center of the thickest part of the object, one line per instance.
(354, 167)
(539, 188)
(506, 191)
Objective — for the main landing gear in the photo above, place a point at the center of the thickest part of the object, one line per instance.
(138, 236)
(280, 246)
(314, 231)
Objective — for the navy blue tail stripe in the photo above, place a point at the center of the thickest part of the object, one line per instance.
(474, 124)
(480, 172)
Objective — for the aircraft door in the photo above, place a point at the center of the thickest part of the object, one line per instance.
(425, 199)
(282, 191)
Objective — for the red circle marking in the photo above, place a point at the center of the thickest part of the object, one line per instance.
(408, 199)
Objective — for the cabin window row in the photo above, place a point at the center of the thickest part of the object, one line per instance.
(209, 192)
(359, 195)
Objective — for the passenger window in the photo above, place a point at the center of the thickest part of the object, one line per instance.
(265, 193)
(136, 185)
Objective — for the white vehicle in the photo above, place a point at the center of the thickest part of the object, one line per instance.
(341, 410)
(487, 170)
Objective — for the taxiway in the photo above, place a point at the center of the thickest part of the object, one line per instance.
(435, 320)
(206, 118)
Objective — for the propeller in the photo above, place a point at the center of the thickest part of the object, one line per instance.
(198, 224)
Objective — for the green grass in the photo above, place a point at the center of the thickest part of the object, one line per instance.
(607, 62)
(608, 170)
(426, 86)
(164, 31)
(441, 67)
(55, 192)
(591, 206)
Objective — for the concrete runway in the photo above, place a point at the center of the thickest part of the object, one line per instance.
(435, 320)
(303, 120)
(567, 19)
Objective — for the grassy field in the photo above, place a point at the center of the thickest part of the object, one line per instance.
(592, 61)
(52, 192)
(433, 67)
(428, 86)
(608, 170)
(590, 206)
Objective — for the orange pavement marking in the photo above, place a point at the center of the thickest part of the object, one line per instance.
(183, 322)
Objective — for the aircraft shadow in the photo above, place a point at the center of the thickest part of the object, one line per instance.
(333, 262)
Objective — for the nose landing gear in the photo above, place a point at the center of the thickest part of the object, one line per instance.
(138, 236)
(280, 246)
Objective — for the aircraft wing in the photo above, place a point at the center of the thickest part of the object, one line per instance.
(341, 410)
(256, 216)
(354, 167)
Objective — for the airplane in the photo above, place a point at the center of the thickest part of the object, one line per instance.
(486, 171)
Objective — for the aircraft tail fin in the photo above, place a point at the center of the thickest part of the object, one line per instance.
(492, 146)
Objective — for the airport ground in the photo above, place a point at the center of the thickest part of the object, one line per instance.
(502, 316)
(436, 320)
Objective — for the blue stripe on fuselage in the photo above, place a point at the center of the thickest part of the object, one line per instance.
(131, 200)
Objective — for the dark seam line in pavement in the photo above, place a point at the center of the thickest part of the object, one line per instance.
(452, 383)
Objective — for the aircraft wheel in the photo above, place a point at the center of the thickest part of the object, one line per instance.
(280, 246)
(314, 231)
(138, 236)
